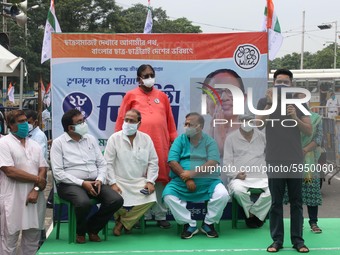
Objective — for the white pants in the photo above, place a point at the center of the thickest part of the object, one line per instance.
(262, 205)
(215, 207)
(159, 209)
(332, 114)
(28, 246)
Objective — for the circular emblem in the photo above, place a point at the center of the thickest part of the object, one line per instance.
(156, 100)
(247, 56)
(80, 101)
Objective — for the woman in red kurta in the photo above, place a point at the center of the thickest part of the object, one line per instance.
(158, 122)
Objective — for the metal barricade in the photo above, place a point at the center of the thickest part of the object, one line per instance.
(331, 138)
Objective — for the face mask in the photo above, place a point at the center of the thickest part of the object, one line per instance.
(279, 88)
(149, 82)
(81, 129)
(30, 127)
(22, 130)
(246, 128)
(130, 128)
(191, 131)
(333, 97)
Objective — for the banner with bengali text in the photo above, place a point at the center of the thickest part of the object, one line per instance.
(92, 72)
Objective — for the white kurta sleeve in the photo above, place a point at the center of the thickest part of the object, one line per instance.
(152, 172)
(110, 157)
(228, 157)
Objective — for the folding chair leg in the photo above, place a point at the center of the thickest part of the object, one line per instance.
(58, 220)
(217, 226)
(72, 224)
(142, 224)
(179, 229)
(234, 213)
(105, 231)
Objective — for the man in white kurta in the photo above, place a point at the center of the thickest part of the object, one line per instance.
(244, 157)
(132, 165)
(23, 177)
(332, 106)
(35, 133)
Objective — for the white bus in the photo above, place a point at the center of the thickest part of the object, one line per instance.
(315, 80)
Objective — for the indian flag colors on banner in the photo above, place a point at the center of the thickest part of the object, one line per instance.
(272, 26)
(11, 93)
(47, 95)
(52, 25)
(148, 22)
(42, 88)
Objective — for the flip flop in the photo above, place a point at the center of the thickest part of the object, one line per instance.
(276, 246)
(298, 248)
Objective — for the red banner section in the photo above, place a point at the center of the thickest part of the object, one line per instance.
(155, 46)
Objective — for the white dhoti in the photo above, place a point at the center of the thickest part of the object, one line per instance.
(239, 189)
(215, 207)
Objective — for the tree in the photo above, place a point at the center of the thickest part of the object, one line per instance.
(322, 59)
(105, 16)
(83, 16)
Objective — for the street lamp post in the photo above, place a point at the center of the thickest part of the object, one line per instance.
(26, 34)
(4, 78)
(328, 26)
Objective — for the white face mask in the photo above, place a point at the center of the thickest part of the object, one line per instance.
(149, 82)
(246, 127)
(81, 129)
(129, 128)
(191, 131)
(30, 127)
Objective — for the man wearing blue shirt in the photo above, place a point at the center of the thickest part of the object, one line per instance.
(193, 159)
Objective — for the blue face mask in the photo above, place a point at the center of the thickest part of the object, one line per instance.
(22, 130)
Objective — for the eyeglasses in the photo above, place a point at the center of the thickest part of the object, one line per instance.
(147, 76)
(80, 122)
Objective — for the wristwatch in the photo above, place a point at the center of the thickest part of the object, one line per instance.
(36, 188)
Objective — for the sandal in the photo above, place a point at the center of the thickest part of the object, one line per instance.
(275, 246)
(315, 228)
(301, 249)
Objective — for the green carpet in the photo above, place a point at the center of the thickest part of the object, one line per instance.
(167, 241)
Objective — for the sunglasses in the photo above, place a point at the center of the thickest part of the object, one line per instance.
(147, 76)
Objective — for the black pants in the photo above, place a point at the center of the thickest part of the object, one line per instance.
(313, 214)
(277, 190)
(110, 201)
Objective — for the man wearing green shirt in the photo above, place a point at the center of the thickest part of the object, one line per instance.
(193, 159)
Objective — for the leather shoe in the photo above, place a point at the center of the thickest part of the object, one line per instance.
(80, 239)
(251, 223)
(163, 224)
(117, 230)
(94, 237)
